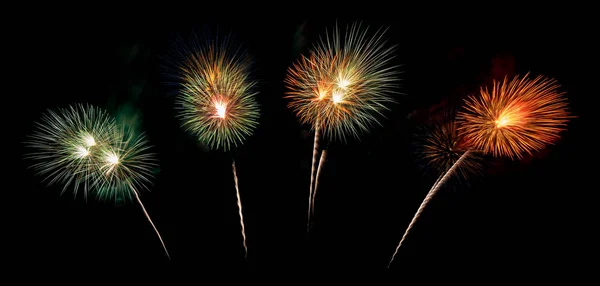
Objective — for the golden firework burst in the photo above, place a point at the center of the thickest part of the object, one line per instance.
(515, 117)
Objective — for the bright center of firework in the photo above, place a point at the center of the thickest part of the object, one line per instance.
(81, 152)
(221, 108)
(501, 122)
(336, 97)
(343, 84)
(112, 159)
(322, 94)
(89, 141)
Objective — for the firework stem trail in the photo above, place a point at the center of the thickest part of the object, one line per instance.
(314, 194)
(312, 173)
(150, 220)
(239, 203)
(428, 198)
(438, 180)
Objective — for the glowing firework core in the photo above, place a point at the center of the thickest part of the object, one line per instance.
(221, 108)
(89, 141)
(82, 152)
(112, 159)
(322, 94)
(502, 121)
(336, 97)
(343, 84)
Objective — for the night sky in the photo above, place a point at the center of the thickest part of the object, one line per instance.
(516, 218)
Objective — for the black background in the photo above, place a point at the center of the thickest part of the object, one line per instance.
(519, 218)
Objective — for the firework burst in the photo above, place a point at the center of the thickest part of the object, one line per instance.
(516, 117)
(65, 143)
(84, 145)
(345, 83)
(216, 98)
(439, 145)
(124, 166)
(342, 87)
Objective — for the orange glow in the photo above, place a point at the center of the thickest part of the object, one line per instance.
(502, 121)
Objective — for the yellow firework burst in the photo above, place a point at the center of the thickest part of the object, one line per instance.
(518, 116)
(345, 82)
(216, 98)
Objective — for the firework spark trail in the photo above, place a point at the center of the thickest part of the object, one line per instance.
(314, 194)
(150, 220)
(342, 87)
(428, 198)
(239, 203)
(312, 175)
(438, 180)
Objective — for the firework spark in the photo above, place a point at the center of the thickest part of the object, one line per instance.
(216, 99)
(342, 87)
(516, 117)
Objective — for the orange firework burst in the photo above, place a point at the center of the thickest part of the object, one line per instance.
(520, 116)
(516, 117)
